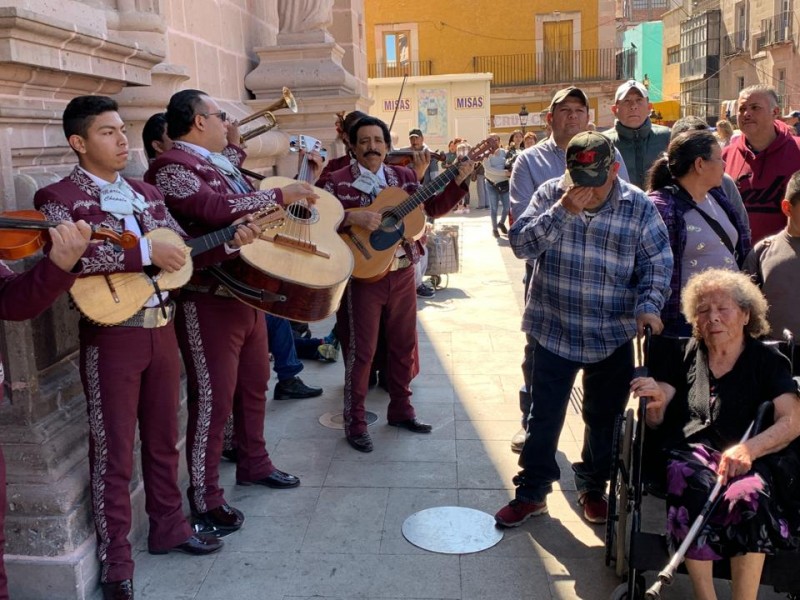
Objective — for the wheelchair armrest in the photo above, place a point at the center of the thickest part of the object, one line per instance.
(765, 416)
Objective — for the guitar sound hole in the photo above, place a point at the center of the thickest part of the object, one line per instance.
(300, 212)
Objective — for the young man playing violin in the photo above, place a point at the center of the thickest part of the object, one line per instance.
(223, 340)
(131, 370)
(393, 297)
(25, 296)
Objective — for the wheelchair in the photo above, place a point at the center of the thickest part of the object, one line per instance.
(633, 551)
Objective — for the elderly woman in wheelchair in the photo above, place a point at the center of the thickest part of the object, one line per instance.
(707, 394)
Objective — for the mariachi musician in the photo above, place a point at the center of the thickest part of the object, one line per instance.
(343, 125)
(26, 295)
(393, 297)
(223, 341)
(130, 371)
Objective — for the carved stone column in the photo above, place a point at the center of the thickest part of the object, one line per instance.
(309, 61)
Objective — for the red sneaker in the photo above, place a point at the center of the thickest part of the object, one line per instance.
(517, 512)
(595, 506)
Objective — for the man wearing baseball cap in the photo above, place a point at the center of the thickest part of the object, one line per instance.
(567, 115)
(639, 140)
(426, 167)
(603, 268)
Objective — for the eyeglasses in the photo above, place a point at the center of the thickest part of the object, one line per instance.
(223, 116)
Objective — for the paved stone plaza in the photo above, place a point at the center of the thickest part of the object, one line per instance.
(338, 536)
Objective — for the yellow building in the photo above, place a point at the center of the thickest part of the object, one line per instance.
(530, 48)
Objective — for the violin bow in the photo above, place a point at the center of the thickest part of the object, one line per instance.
(399, 97)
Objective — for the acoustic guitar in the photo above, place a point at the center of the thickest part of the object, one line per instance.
(402, 218)
(298, 270)
(112, 298)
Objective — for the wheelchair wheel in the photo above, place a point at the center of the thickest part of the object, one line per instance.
(621, 591)
(617, 520)
(614, 477)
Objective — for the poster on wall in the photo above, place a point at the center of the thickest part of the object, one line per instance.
(432, 114)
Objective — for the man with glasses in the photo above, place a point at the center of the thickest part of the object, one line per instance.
(223, 341)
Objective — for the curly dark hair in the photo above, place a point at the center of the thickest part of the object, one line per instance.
(181, 110)
(81, 111)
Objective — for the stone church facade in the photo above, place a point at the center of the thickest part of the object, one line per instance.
(241, 52)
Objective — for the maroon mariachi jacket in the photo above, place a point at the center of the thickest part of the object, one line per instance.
(201, 197)
(333, 165)
(339, 184)
(78, 197)
(26, 295)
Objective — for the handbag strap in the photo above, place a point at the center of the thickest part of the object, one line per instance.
(683, 195)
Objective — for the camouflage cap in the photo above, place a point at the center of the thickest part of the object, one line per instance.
(590, 157)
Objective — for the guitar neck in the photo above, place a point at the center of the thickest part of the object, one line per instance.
(427, 191)
(209, 241)
(305, 173)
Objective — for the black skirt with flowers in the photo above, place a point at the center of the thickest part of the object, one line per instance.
(756, 512)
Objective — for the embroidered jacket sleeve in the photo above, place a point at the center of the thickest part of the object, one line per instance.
(235, 154)
(198, 195)
(25, 295)
(64, 202)
(437, 205)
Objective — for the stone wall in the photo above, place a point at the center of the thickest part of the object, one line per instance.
(140, 52)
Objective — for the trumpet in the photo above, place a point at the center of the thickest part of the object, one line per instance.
(286, 101)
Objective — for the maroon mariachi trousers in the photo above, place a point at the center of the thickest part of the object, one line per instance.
(394, 298)
(132, 373)
(224, 347)
(3, 579)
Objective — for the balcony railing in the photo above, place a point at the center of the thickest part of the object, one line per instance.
(557, 66)
(735, 43)
(419, 67)
(775, 30)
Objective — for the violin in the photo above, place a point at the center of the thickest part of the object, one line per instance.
(24, 232)
(403, 158)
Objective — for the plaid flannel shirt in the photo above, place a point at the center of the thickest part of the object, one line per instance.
(592, 276)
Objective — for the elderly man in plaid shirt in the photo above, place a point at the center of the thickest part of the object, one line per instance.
(603, 266)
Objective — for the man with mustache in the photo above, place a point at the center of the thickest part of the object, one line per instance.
(392, 298)
(223, 341)
(762, 159)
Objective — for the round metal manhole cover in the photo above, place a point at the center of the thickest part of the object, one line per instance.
(452, 530)
(336, 420)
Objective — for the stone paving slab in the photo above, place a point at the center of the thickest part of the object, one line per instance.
(338, 536)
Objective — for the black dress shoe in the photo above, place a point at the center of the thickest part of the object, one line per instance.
(231, 455)
(224, 518)
(295, 389)
(118, 590)
(277, 479)
(502, 227)
(362, 443)
(413, 425)
(197, 545)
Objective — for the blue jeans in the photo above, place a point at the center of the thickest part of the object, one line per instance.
(281, 345)
(605, 394)
(496, 198)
